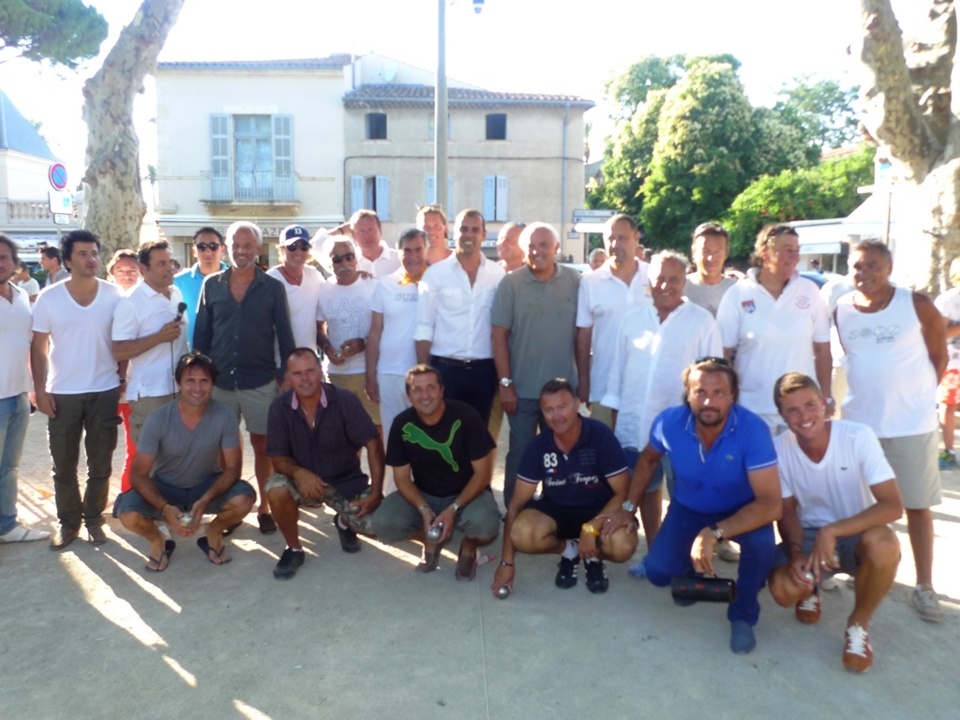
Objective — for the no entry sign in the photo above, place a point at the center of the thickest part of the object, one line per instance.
(58, 176)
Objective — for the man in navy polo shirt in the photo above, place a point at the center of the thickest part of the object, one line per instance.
(584, 475)
(727, 486)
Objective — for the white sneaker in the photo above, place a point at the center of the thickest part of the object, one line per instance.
(21, 533)
(727, 552)
(927, 604)
(829, 583)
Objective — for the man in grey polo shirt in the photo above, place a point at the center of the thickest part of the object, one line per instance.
(243, 312)
(534, 329)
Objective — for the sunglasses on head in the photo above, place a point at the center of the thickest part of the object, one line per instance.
(299, 245)
(710, 359)
(346, 257)
(207, 246)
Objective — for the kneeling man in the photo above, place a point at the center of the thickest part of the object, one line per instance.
(839, 493)
(176, 473)
(726, 487)
(442, 459)
(314, 435)
(584, 475)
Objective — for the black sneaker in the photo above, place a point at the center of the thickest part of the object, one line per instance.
(567, 574)
(289, 562)
(596, 577)
(349, 542)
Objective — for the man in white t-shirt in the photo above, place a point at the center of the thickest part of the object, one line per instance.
(15, 319)
(376, 257)
(302, 282)
(72, 321)
(839, 494)
(650, 344)
(25, 280)
(707, 286)
(391, 350)
(148, 330)
(343, 320)
(604, 298)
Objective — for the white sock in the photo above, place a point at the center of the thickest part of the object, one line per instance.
(572, 550)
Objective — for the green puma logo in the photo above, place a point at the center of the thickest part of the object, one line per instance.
(415, 435)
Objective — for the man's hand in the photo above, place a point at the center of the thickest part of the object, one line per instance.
(589, 548)
(508, 399)
(367, 504)
(372, 388)
(702, 552)
(310, 485)
(503, 576)
(172, 514)
(351, 347)
(800, 565)
(46, 404)
(426, 514)
(615, 520)
(448, 517)
(824, 556)
(170, 331)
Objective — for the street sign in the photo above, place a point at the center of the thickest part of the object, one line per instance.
(61, 219)
(591, 216)
(58, 176)
(61, 201)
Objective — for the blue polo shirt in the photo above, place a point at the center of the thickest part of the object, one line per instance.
(580, 476)
(189, 282)
(713, 481)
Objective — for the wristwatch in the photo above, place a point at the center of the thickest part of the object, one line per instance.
(456, 507)
(628, 506)
(717, 532)
(506, 382)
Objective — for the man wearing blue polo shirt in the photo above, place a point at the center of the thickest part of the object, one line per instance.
(727, 486)
(584, 475)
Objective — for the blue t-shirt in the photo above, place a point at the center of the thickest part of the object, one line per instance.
(713, 481)
(189, 282)
(580, 476)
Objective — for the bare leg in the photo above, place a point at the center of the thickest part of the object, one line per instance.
(287, 515)
(148, 529)
(263, 467)
(920, 528)
(879, 555)
(948, 421)
(232, 513)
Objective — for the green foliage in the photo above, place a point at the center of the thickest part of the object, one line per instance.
(702, 155)
(59, 31)
(823, 111)
(826, 191)
(629, 91)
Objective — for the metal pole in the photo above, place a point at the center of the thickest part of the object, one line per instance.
(440, 110)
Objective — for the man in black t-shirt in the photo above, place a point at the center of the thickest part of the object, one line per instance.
(442, 459)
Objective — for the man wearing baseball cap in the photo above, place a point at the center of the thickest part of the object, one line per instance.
(302, 282)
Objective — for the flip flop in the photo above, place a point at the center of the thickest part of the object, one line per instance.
(168, 547)
(229, 531)
(204, 544)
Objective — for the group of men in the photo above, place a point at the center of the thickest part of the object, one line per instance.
(424, 349)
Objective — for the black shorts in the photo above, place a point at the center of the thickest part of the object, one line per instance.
(569, 518)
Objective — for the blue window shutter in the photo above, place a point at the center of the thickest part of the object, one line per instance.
(490, 198)
(502, 212)
(283, 157)
(431, 189)
(383, 197)
(450, 192)
(220, 182)
(356, 193)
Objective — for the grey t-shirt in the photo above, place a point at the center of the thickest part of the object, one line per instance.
(707, 296)
(185, 458)
(541, 317)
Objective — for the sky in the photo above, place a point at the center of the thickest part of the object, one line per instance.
(546, 46)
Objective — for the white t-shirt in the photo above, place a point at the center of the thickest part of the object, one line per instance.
(837, 487)
(771, 336)
(398, 305)
(346, 310)
(388, 261)
(80, 357)
(602, 302)
(15, 336)
(648, 360)
(302, 300)
(949, 306)
(31, 286)
(144, 312)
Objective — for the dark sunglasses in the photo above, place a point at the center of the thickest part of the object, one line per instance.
(711, 359)
(346, 257)
(302, 245)
(207, 246)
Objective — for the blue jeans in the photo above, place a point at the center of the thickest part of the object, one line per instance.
(670, 556)
(524, 425)
(14, 414)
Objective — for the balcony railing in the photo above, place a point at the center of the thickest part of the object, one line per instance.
(247, 187)
(28, 211)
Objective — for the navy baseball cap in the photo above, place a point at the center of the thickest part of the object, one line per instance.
(290, 234)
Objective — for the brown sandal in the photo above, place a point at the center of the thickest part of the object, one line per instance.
(466, 564)
(430, 559)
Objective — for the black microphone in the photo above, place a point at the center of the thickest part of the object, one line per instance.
(181, 309)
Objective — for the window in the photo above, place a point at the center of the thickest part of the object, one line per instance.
(497, 126)
(371, 193)
(251, 157)
(495, 198)
(376, 126)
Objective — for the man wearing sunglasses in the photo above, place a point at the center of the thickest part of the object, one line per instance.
(302, 282)
(208, 250)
